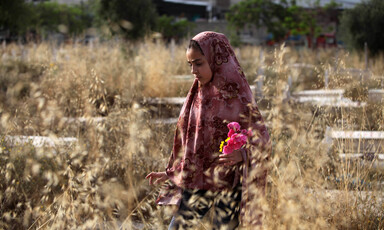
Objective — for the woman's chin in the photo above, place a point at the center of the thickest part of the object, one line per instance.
(202, 83)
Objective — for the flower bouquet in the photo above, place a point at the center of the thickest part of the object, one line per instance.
(237, 138)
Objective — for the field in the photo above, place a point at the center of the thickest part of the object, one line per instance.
(94, 93)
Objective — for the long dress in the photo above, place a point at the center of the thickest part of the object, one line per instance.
(202, 126)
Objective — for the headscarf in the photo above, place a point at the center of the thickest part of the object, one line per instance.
(202, 124)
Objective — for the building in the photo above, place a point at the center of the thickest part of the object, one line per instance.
(60, 1)
(216, 9)
(210, 15)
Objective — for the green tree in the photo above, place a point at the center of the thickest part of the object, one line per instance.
(364, 24)
(170, 28)
(260, 13)
(131, 18)
(14, 16)
(54, 17)
(280, 18)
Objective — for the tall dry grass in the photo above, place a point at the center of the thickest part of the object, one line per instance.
(98, 182)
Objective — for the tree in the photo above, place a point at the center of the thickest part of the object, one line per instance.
(14, 15)
(21, 18)
(171, 28)
(364, 24)
(54, 17)
(132, 18)
(280, 18)
(260, 13)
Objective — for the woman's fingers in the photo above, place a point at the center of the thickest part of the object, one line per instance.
(150, 181)
(158, 176)
(149, 175)
(231, 158)
(225, 155)
(159, 180)
(226, 161)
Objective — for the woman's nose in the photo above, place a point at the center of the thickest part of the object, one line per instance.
(193, 70)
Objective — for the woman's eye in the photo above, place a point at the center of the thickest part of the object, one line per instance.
(196, 64)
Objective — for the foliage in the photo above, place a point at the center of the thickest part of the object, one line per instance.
(279, 17)
(55, 17)
(131, 18)
(364, 24)
(170, 28)
(260, 12)
(14, 16)
(45, 17)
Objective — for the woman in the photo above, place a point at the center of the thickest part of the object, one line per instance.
(201, 176)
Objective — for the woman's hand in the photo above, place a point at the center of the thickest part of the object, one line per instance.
(158, 176)
(232, 158)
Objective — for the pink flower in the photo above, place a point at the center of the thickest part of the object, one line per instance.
(237, 138)
(234, 126)
(227, 149)
(247, 132)
(236, 141)
(231, 132)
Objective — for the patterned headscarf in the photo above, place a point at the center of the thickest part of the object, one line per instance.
(202, 123)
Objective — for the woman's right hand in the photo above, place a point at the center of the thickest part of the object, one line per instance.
(158, 176)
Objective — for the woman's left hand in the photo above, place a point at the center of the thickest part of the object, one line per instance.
(232, 158)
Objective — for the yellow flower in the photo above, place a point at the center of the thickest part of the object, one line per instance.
(222, 144)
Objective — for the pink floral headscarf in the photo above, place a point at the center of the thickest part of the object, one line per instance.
(202, 123)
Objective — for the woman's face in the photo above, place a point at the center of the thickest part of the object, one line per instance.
(199, 66)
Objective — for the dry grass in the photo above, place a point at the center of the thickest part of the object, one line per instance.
(99, 181)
